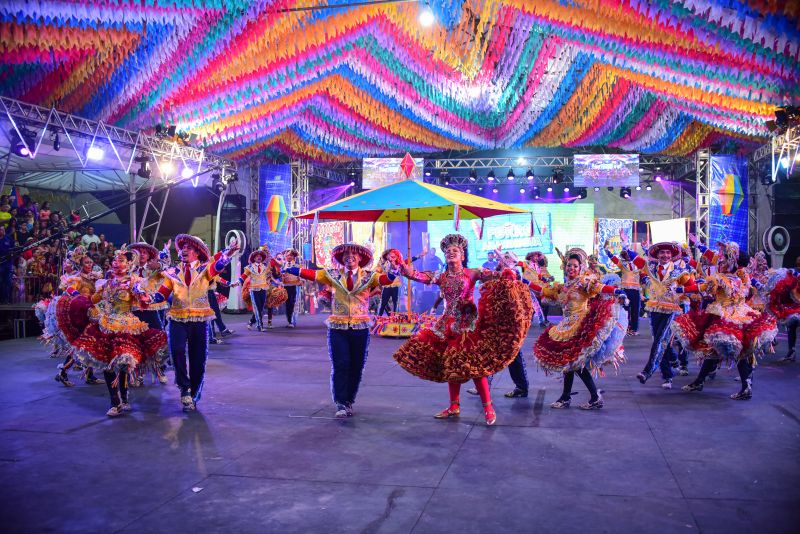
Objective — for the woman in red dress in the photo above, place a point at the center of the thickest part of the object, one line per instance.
(468, 342)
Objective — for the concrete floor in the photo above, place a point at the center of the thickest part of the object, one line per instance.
(263, 454)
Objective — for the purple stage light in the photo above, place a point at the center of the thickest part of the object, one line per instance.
(494, 190)
(549, 189)
(521, 189)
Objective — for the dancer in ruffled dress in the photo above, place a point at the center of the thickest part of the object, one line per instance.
(468, 342)
(590, 334)
(783, 288)
(114, 338)
(728, 329)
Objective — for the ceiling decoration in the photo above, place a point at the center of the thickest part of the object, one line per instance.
(333, 84)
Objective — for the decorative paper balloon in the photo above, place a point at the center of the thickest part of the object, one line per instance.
(730, 194)
(277, 214)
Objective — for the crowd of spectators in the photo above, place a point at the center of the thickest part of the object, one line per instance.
(34, 273)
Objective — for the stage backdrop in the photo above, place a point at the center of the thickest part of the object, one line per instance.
(728, 200)
(554, 225)
(327, 236)
(274, 206)
(608, 231)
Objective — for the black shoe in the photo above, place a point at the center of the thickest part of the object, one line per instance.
(692, 387)
(745, 394)
(789, 357)
(516, 393)
(60, 377)
(642, 378)
(593, 404)
(93, 381)
(227, 332)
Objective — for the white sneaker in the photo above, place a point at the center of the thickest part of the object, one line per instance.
(667, 384)
(126, 407)
(114, 411)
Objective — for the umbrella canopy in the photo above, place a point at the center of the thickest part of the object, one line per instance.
(410, 200)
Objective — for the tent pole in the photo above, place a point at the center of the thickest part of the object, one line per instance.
(408, 242)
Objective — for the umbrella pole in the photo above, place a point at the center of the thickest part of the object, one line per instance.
(408, 242)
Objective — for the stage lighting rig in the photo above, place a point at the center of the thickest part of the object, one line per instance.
(785, 118)
(217, 184)
(529, 175)
(510, 175)
(473, 175)
(18, 147)
(490, 176)
(583, 192)
(536, 191)
(558, 177)
(625, 192)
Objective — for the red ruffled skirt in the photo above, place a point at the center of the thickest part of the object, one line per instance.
(108, 350)
(590, 346)
(705, 335)
(448, 354)
(781, 303)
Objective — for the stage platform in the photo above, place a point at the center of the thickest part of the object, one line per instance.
(264, 454)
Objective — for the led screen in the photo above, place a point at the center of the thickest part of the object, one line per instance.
(605, 170)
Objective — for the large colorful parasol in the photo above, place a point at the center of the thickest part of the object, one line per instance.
(408, 201)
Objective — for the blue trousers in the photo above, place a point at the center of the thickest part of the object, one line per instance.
(633, 312)
(348, 351)
(150, 317)
(194, 336)
(661, 354)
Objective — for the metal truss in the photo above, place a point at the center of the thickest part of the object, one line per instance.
(676, 201)
(703, 194)
(785, 149)
(25, 116)
(301, 232)
(252, 218)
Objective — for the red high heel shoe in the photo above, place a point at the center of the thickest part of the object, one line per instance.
(454, 410)
(488, 412)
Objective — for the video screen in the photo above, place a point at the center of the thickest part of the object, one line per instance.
(377, 172)
(604, 170)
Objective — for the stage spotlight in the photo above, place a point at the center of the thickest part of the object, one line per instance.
(658, 178)
(529, 175)
(557, 178)
(426, 17)
(566, 189)
(625, 192)
(784, 161)
(583, 192)
(494, 190)
(20, 149)
(427, 173)
(649, 187)
(473, 175)
(95, 153)
(186, 173)
(144, 170)
(549, 188)
(352, 184)
(490, 176)
(56, 142)
(233, 177)
(217, 185)
(480, 188)
(468, 191)
(610, 187)
(638, 187)
(536, 191)
(447, 182)
(521, 189)
(510, 174)
(522, 162)
(596, 189)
